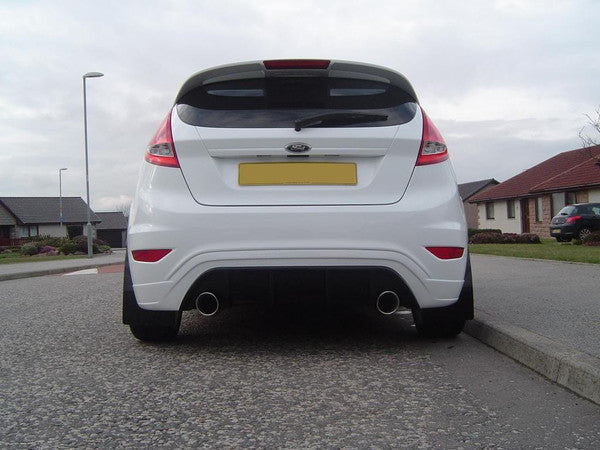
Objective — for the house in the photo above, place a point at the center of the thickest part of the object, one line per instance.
(527, 202)
(112, 228)
(467, 191)
(22, 217)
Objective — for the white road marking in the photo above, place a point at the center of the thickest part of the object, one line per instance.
(83, 272)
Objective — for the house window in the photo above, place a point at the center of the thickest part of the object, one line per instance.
(571, 198)
(558, 202)
(489, 210)
(33, 230)
(510, 209)
(538, 209)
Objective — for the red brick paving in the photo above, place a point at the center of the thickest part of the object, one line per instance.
(116, 268)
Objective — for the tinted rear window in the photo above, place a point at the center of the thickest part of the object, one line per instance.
(566, 210)
(277, 102)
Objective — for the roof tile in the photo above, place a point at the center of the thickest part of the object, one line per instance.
(37, 210)
(572, 169)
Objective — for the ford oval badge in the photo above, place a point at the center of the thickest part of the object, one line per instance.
(298, 147)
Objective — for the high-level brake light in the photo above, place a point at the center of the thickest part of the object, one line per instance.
(433, 147)
(281, 64)
(161, 149)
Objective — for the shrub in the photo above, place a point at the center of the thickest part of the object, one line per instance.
(81, 242)
(529, 238)
(101, 242)
(30, 248)
(47, 249)
(45, 239)
(592, 239)
(52, 241)
(104, 248)
(474, 231)
(68, 247)
(504, 238)
(486, 238)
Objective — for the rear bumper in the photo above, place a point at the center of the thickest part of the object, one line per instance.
(564, 231)
(205, 238)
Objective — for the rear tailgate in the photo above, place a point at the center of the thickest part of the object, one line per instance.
(233, 138)
(384, 158)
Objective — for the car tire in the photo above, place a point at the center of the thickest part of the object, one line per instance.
(434, 323)
(563, 239)
(583, 233)
(153, 333)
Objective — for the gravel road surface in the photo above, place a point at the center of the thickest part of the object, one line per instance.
(73, 375)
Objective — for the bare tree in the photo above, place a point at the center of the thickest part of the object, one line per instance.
(594, 122)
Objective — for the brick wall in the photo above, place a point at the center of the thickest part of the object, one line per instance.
(540, 228)
(472, 214)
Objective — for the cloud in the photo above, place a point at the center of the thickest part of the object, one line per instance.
(506, 81)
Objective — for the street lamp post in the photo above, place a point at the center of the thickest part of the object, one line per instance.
(87, 173)
(60, 208)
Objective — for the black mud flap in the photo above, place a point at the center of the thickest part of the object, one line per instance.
(465, 306)
(132, 313)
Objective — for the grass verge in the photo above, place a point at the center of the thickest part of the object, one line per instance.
(548, 249)
(11, 258)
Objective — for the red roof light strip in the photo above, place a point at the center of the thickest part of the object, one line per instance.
(282, 64)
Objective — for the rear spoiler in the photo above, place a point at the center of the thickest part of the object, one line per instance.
(257, 69)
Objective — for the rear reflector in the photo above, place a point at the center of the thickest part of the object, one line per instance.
(281, 64)
(150, 255)
(447, 252)
(433, 147)
(161, 149)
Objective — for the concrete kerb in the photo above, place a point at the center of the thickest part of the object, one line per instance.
(58, 270)
(577, 371)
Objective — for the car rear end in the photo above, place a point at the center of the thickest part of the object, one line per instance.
(564, 225)
(575, 221)
(320, 181)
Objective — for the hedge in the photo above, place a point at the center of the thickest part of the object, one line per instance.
(474, 231)
(592, 239)
(504, 238)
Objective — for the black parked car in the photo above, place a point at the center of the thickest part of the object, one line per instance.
(575, 221)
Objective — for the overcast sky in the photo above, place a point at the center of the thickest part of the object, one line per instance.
(507, 82)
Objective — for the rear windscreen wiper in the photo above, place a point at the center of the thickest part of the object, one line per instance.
(341, 118)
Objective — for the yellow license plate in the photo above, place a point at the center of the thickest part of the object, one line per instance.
(262, 174)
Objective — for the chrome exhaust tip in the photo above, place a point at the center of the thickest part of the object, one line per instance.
(388, 303)
(207, 303)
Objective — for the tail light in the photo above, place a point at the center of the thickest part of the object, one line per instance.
(161, 150)
(433, 148)
(447, 252)
(573, 219)
(153, 255)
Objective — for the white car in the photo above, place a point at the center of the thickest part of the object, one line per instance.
(312, 180)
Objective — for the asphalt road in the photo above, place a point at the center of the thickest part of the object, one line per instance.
(73, 375)
(555, 299)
